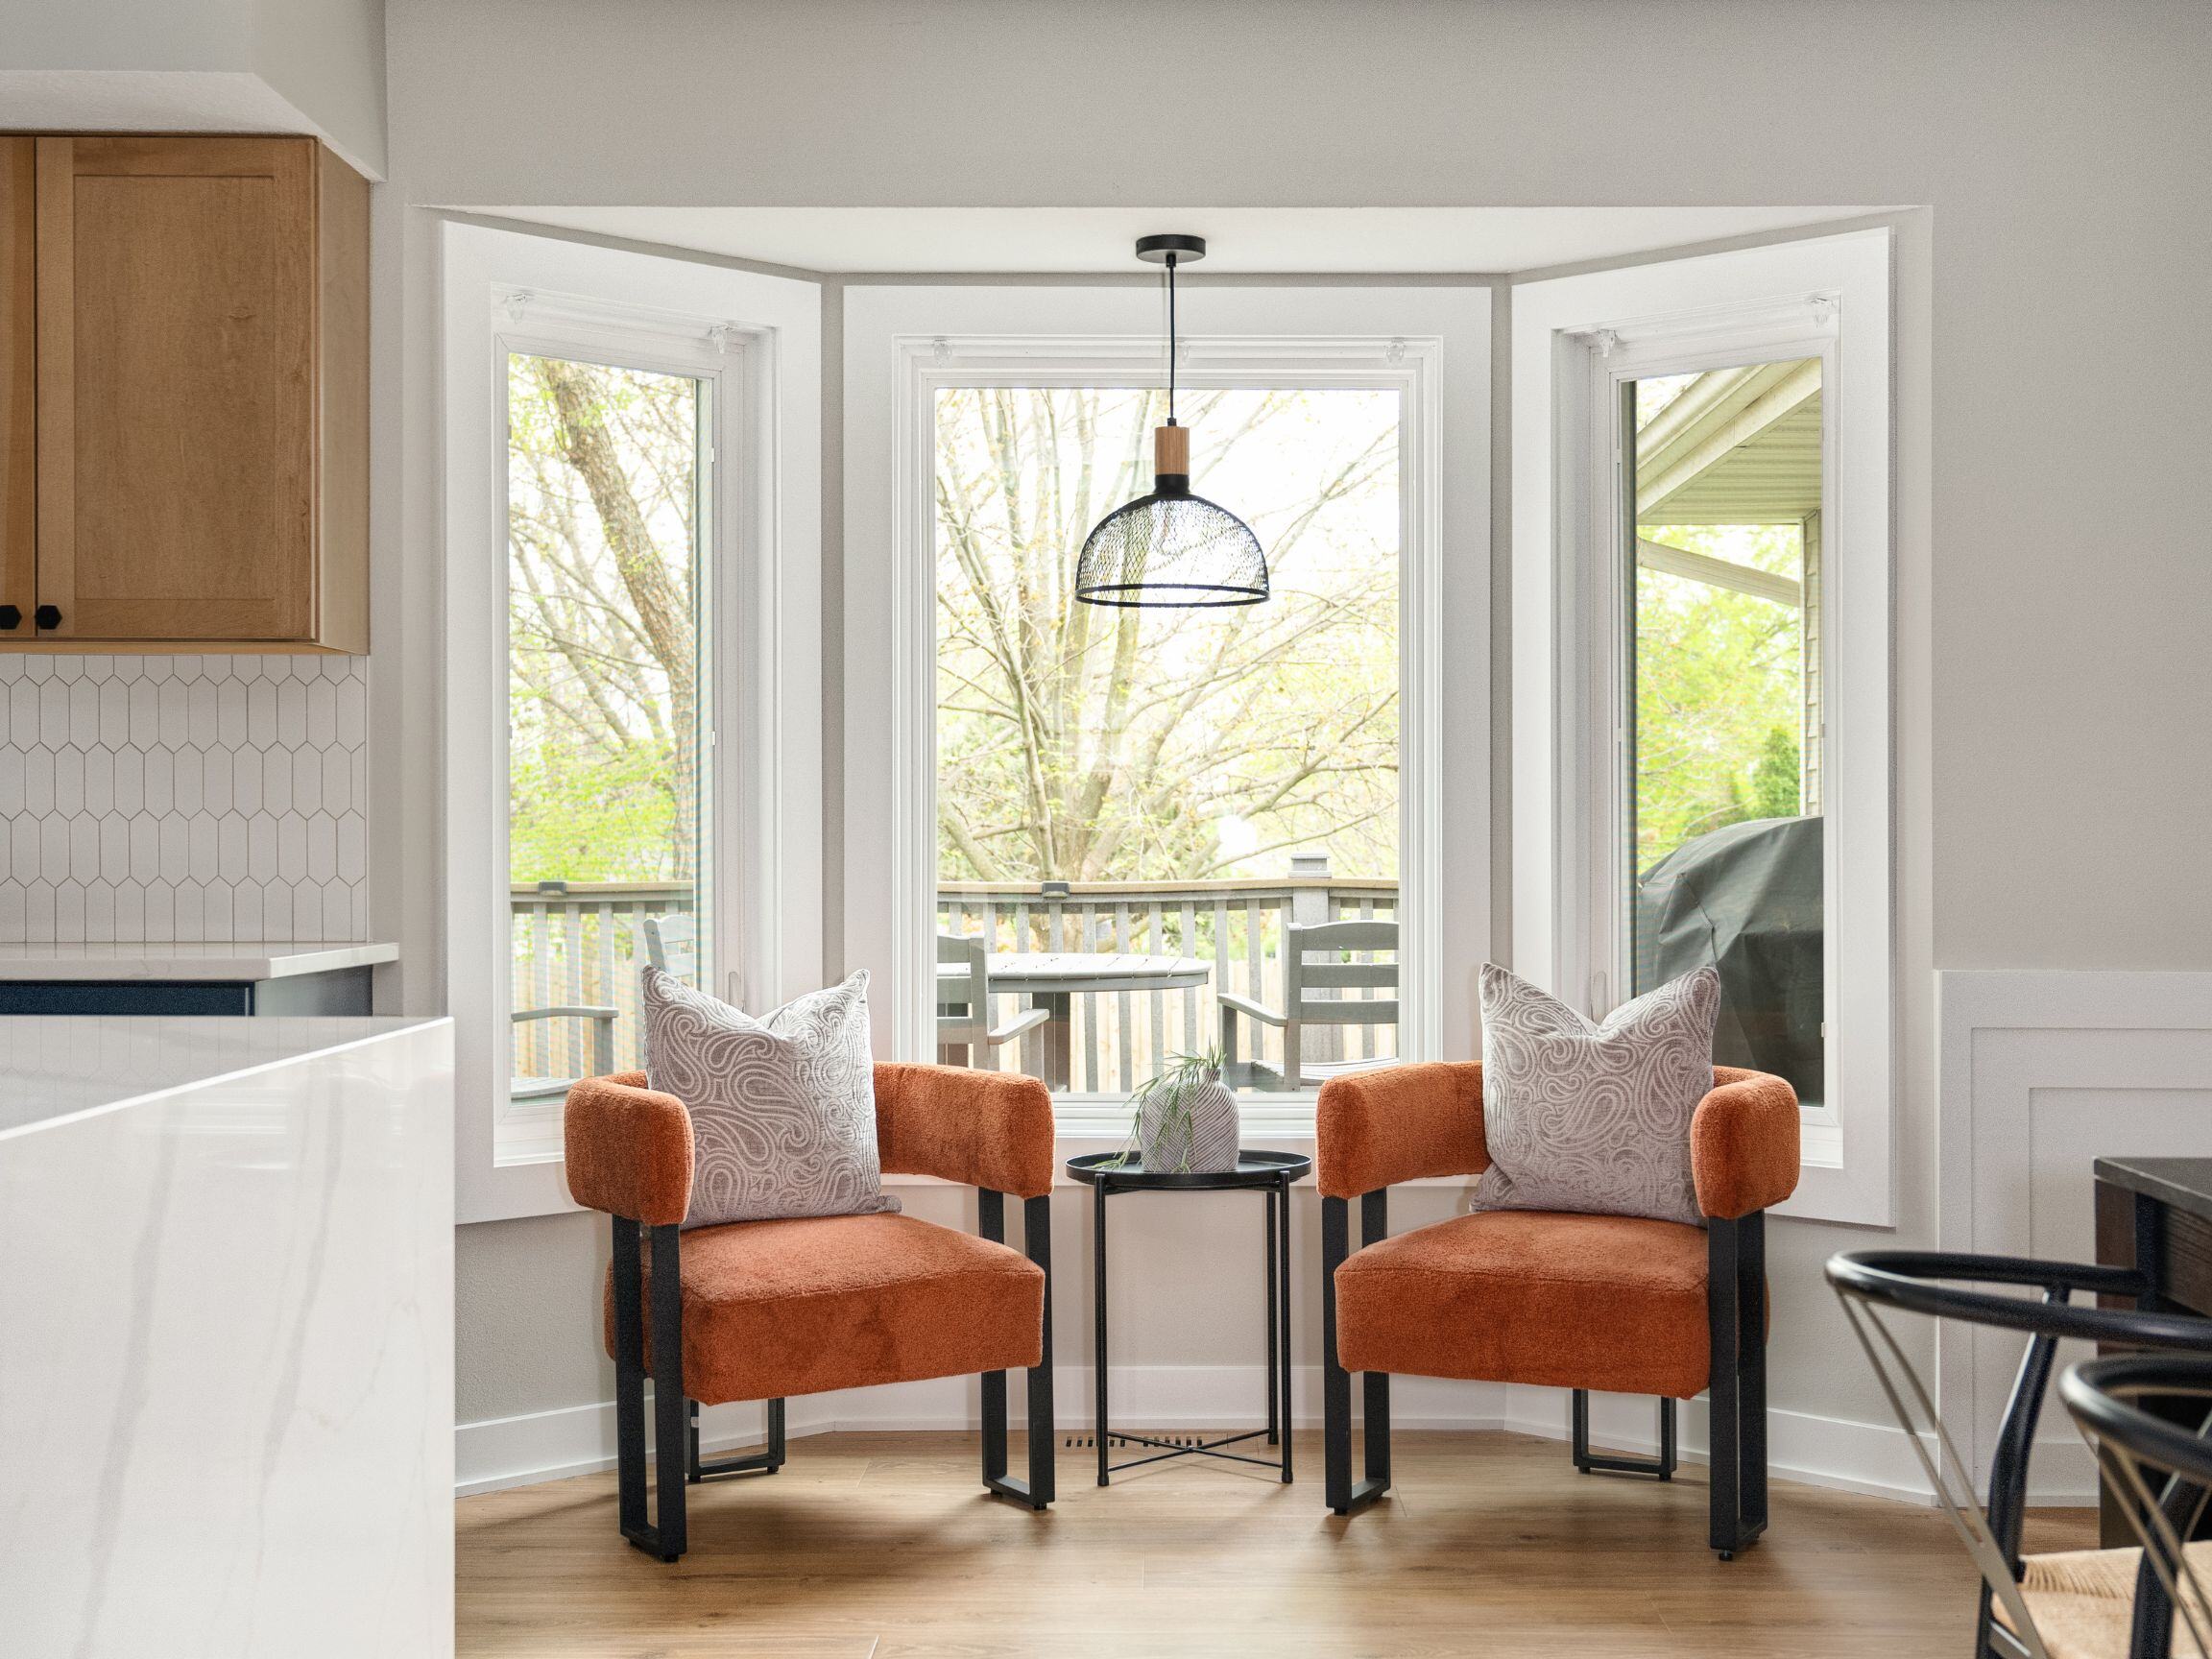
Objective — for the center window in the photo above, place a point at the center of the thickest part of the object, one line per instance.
(1167, 831)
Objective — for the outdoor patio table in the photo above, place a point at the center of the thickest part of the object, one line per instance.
(1053, 978)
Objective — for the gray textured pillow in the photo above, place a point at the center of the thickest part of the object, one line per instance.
(1594, 1117)
(782, 1108)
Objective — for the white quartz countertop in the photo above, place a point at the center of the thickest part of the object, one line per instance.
(228, 960)
(57, 1068)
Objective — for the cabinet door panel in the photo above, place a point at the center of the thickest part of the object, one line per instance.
(177, 411)
(18, 385)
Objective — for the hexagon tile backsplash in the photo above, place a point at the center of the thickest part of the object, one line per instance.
(183, 798)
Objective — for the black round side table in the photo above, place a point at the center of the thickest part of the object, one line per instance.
(1268, 1174)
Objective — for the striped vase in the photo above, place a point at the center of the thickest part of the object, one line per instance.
(1189, 1127)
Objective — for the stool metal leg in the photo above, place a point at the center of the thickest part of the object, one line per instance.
(1098, 1315)
(1282, 1316)
(1269, 1197)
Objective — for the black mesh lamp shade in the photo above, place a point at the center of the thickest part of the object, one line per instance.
(1171, 548)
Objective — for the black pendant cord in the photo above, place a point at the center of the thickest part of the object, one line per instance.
(1171, 339)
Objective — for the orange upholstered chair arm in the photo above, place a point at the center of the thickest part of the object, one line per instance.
(1744, 1143)
(988, 1129)
(1403, 1122)
(629, 1149)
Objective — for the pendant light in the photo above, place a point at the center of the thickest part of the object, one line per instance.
(1171, 548)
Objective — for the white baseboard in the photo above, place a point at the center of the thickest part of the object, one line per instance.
(1867, 1458)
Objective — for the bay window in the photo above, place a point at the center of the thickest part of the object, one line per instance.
(1701, 669)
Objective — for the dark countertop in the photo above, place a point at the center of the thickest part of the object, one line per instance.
(2184, 1183)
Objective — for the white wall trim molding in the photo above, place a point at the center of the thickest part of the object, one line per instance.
(1867, 1457)
(2021, 1056)
(901, 344)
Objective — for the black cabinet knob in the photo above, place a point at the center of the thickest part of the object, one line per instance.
(47, 615)
(11, 616)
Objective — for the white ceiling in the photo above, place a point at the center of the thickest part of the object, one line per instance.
(1091, 240)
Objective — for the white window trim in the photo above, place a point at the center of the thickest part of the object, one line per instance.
(902, 343)
(1574, 339)
(758, 340)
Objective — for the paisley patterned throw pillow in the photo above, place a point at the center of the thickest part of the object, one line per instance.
(782, 1108)
(1594, 1117)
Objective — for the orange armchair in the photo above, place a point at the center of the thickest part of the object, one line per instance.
(765, 1309)
(1618, 1303)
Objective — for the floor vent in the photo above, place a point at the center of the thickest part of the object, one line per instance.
(1084, 1442)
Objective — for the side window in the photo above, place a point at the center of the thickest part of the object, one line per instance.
(607, 703)
(1720, 837)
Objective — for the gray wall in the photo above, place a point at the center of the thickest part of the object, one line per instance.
(200, 65)
(2054, 584)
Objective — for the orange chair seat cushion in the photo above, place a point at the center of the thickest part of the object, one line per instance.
(802, 1305)
(1614, 1303)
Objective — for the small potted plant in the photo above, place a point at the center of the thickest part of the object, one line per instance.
(1186, 1117)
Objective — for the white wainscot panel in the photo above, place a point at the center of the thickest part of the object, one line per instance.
(2041, 1074)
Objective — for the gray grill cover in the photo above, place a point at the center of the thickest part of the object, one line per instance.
(1747, 900)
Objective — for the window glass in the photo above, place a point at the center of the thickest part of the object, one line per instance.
(606, 703)
(1163, 792)
(1722, 842)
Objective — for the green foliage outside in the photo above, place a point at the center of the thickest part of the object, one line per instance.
(1076, 742)
(1718, 691)
(603, 635)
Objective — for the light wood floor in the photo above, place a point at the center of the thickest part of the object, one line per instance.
(883, 1545)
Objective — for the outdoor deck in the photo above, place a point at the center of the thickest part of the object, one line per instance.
(584, 944)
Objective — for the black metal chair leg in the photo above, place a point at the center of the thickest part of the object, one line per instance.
(629, 1383)
(1589, 1462)
(667, 1535)
(1735, 1302)
(1374, 1227)
(765, 1462)
(1343, 1496)
(1751, 1362)
(1037, 1243)
(1039, 1489)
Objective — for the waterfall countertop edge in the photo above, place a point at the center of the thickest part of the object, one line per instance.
(56, 1068)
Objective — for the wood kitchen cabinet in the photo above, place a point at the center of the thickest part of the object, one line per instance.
(183, 395)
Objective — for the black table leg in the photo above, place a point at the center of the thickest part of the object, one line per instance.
(1103, 1173)
(1098, 1315)
(1280, 1286)
(1267, 1199)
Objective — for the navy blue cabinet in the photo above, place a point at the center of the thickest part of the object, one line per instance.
(333, 991)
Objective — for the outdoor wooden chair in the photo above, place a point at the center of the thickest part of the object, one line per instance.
(672, 946)
(530, 1088)
(766, 1309)
(1313, 994)
(1621, 1304)
(964, 1034)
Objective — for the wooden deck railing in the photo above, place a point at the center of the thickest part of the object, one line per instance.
(1121, 1039)
(585, 944)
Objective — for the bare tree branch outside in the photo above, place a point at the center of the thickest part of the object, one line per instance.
(1090, 744)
